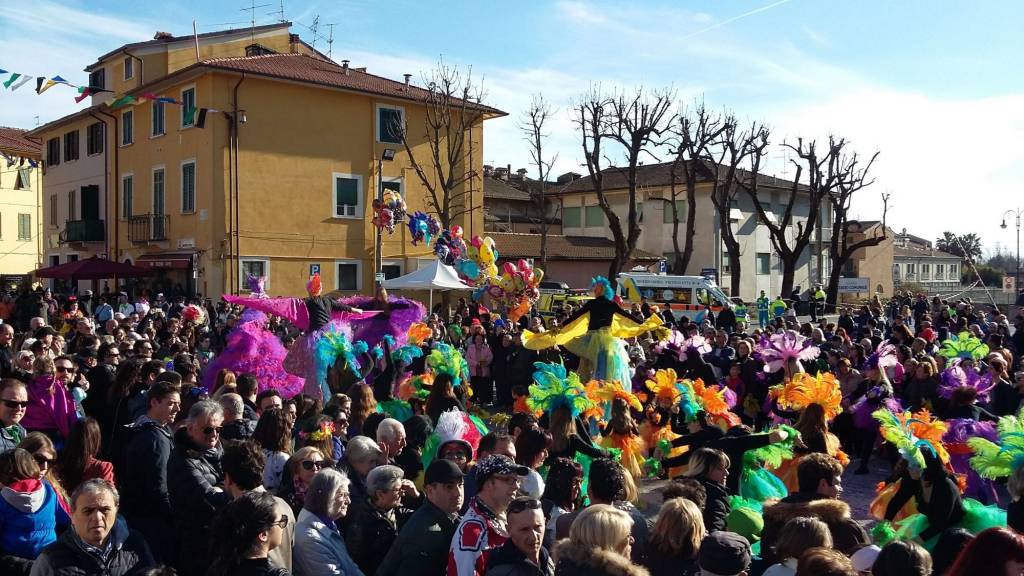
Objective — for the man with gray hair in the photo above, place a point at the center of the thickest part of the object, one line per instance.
(98, 541)
(194, 480)
(372, 525)
(391, 438)
(236, 426)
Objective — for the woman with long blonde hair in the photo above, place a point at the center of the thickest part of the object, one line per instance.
(599, 544)
(675, 540)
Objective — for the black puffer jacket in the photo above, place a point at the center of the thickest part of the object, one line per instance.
(193, 477)
(144, 482)
(369, 534)
(66, 557)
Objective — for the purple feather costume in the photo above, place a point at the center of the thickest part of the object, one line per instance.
(955, 439)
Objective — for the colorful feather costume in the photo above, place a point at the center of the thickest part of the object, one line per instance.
(910, 433)
(959, 376)
(454, 426)
(960, 431)
(402, 314)
(779, 349)
(757, 482)
(963, 345)
(998, 459)
(446, 359)
(554, 387)
(797, 394)
(251, 348)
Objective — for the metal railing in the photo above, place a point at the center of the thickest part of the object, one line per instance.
(148, 228)
(85, 231)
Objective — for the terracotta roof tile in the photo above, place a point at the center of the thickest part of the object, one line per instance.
(559, 247)
(660, 175)
(501, 190)
(13, 140)
(304, 68)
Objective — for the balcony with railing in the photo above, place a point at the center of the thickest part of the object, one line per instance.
(85, 231)
(148, 228)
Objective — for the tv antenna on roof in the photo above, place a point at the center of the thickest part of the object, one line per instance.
(252, 16)
(279, 13)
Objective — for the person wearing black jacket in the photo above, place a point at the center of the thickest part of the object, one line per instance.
(144, 497)
(193, 479)
(936, 494)
(710, 467)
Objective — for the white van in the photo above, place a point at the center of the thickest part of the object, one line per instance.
(685, 295)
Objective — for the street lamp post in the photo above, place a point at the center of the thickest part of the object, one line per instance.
(386, 155)
(1016, 277)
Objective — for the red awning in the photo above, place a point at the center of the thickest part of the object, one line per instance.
(94, 268)
(165, 260)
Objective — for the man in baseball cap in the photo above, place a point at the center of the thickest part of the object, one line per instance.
(421, 547)
(724, 554)
(483, 527)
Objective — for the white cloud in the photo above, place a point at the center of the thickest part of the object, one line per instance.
(580, 13)
(63, 20)
(816, 36)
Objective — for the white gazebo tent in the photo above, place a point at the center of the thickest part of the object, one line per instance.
(435, 276)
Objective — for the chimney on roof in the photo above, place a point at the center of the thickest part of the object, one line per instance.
(567, 177)
(521, 174)
(361, 69)
(408, 77)
(293, 43)
(162, 35)
(501, 173)
(488, 170)
(344, 66)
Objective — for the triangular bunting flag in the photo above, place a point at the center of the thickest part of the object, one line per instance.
(8, 158)
(167, 100)
(84, 93)
(33, 163)
(14, 76)
(2, 71)
(59, 80)
(122, 101)
(21, 82)
(49, 83)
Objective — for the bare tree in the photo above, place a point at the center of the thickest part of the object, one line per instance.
(696, 132)
(453, 107)
(822, 177)
(532, 126)
(734, 148)
(852, 176)
(635, 122)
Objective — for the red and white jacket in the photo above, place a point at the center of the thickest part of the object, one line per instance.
(479, 532)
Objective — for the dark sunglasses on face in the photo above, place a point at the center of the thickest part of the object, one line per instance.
(42, 460)
(312, 464)
(520, 504)
(68, 369)
(15, 404)
(209, 430)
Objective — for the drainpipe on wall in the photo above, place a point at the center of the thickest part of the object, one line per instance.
(142, 67)
(237, 223)
(116, 255)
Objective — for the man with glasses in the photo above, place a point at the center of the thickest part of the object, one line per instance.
(142, 470)
(13, 403)
(483, 527)
(421, 548)
(522, 554)
(144, 349)
(194, 480)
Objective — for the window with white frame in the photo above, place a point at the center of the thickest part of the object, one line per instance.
(954, 272)
(594, 216)
(127, 128)
(349, 275)
(127, 196)
(23, 178)
(391, 269)
(129, 68)
(258, 267)
(393, 184)
(188, 107)
(188, 187)
(390, 123)
(940, 271)
(681, 208)
(571, 217)
(926, 271)
(159, 199)
(159, 117)
(348, 195)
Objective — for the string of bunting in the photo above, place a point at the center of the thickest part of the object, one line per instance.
(19, 160)
(43, 83)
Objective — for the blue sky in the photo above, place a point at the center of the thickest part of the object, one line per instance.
(932, 85)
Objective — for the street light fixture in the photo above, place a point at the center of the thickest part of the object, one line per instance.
(1016, 277)
(386, 155)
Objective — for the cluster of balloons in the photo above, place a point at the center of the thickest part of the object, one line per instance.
(449, 247)
(389, 212)
(423, 227)
(514, 287)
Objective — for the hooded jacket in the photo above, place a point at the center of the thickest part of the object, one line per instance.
(572, 559)
(846, 533)
(49, 410)
(67, 556)
(144, 480)
(30, 514)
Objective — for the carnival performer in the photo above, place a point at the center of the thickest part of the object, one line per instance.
(314, 316)
(873, 393)
(818, 401)
(594, 332)
(935, 490)
(252, 349)
(622, 432)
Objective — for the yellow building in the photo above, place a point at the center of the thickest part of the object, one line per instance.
(274, 174)
(20, 185)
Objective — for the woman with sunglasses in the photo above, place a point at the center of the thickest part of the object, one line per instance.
(247, 529)
(30, 512)
(43, 452)
(51, 407)
(299, 472)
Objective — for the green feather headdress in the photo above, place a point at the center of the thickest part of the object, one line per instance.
(963, 345)
(553, 387)
(993, 460)
(446, 359)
